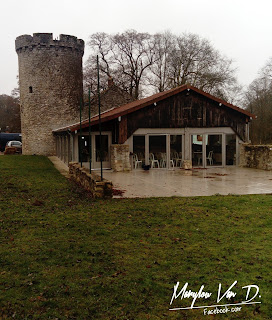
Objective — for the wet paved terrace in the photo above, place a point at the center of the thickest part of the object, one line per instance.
(196, 182)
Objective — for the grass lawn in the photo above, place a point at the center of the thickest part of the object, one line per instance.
(66, 256)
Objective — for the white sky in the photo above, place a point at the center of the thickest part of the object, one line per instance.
(239, 29)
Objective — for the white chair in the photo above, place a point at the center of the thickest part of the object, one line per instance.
(198, 157)
(136, 161)
(141, 156)
(210, 157)
(178, 159)
(153, 160)
(164, 159)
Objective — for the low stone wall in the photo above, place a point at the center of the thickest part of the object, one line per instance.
(91, 182)
(256, 156)
(120, 160)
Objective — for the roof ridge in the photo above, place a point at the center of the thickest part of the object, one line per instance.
(139, 104)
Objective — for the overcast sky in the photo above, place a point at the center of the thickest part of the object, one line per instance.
(239, 29)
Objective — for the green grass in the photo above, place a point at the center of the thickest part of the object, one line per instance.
(66, 256)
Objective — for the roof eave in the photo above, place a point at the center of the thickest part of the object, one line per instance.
(139, 104)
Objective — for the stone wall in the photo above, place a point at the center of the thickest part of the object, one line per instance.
(120, 159)
(91, 182)
(50, 79)
(256, 156)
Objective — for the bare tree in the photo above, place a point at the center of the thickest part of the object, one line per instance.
(160, 69)
(134, 54)
(126, 57)
(101, 45)
(266, 71)
(90, 76)
(196, 62)
(190, 59)
(258, 99)
(15, 93)
(139, 61)
(10, 113)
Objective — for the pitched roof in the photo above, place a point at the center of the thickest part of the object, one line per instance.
(139, 104)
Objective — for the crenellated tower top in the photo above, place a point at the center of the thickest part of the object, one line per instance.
(46, 41)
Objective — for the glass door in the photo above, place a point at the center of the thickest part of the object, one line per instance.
(83, 149)
(157, 151)
(176, 150)
(101, 151)
(214, 150)
(230, 149)
(138, 151)
(197, 150)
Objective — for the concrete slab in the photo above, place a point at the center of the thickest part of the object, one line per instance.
(196, 182)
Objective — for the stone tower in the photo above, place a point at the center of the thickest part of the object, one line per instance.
(51, 86)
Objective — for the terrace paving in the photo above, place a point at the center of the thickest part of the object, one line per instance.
(196, 182)
(184, 183)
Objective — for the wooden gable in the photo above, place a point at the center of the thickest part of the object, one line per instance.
(186, 109)
(180, 107)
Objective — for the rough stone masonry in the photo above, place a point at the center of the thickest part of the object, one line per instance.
(51, 86)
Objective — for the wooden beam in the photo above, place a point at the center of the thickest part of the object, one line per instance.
(122, 130)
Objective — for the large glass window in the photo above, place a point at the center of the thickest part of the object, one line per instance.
(102, 150)
(139, 147)
(157, 151)
(214, 150)
(83, 149)
(230, 149)
(197, 148)
(176, 149)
